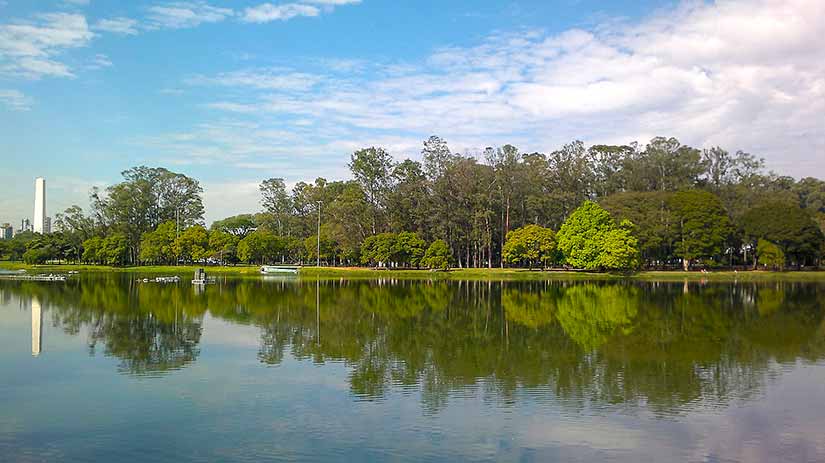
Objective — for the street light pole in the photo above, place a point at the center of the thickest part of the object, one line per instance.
(318, 249)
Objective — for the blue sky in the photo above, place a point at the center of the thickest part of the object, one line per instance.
(232, 92)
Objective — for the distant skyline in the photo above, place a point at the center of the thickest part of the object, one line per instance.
(232, 92)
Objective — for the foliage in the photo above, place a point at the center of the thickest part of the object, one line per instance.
(410, 248)
(532, 243)
(703, 225)
(652, 219)
(157, 246)
(276, 202)
(93, 250)
(591, 240)
(327, 248)
(192, 245)
(223, 246)
(770, 255)
(114, 249)
(237, 225)
(261, 246)
(146, 198)
(437, 256)
(620, 249)
(786, 225)
(685, 204)
(371, 168)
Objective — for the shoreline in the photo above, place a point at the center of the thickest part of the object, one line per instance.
(514, 274)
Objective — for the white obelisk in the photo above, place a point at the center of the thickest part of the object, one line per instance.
(39, 205)
(37, 327)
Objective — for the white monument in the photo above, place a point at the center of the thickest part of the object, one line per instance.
(40, 205)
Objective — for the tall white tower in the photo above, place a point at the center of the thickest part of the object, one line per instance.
(40, 205)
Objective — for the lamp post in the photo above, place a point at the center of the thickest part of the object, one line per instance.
(318, 249)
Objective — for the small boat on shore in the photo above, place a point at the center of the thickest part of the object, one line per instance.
(276, 270)
(172, 279)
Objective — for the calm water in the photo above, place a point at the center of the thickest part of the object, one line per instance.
(106, 369)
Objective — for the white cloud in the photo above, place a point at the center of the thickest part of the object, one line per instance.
(179, 15)
(28, 48)
(14, 100)
(270, 79)
(99, 61)
(333, 2)
(743, 74)
(267, 12)
(119, 25)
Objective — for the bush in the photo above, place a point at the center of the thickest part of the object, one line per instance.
(438, 256)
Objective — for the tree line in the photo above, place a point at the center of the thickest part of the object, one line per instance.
(603, 207)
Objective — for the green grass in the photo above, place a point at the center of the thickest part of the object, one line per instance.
(455, 274)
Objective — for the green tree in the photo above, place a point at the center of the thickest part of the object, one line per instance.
(260, 246)
(438, 256)
(653, 222)
(410, 248)
(146, 198)
(532, 244)
(237, 225)
(193, 244)
(328, 246)
(770, 255)
(36, 255)
(380, 249)
(158, 246)
(223, 246)
(581, 236)
(93, 250)
(620, 249)
(703, 226)
(788, 226)
(276, 201)
(372, 169)
(19, 245)
(591, 240)
(115, 249)
(407, 203)
(664, 165)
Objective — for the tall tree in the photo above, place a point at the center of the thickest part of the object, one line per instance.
(146, 198)
(665, 165)
(372, 168)
(276, 201)
(703, 225)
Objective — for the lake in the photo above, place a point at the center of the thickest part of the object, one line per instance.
(106, 368)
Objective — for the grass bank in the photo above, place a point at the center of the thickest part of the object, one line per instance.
(455, 274)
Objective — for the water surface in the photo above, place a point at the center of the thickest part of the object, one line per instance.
(105, 368)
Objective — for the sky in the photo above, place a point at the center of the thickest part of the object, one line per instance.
(235, 91)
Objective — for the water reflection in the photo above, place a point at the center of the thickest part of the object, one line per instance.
(668, 347)
(37, 323)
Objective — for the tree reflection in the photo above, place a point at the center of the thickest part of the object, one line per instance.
(615, 344)
(146, 344)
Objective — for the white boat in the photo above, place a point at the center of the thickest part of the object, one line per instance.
(274, 270)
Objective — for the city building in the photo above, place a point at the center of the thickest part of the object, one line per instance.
(47, 225)
(40, 205)
(6, 232)
(25, 226)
